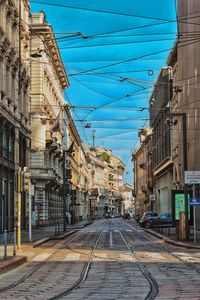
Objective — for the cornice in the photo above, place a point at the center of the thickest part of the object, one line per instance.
(53, 49)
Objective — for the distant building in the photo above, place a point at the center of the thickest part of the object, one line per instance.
(128, 203)
(143, 180)
(77, 198)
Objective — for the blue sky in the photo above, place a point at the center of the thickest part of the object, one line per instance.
(115, 81)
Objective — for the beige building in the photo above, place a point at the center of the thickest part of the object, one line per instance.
(76, 204)
(97, 192)
(143, 185)
(48, 122)
(128, 203)
(105, 181)
(14, 105)
(84, 210)
(116, 182)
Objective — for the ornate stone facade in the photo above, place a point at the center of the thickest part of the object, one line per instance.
(48, 123)
(14, 105)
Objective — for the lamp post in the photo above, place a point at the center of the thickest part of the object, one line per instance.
(66, 177)
(64, 191)
(185, 168)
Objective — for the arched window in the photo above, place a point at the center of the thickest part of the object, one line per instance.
(11, 146)
(4, 139)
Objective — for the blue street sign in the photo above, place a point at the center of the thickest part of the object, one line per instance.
(194, 201)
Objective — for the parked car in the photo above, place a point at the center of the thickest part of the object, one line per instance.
(146, 218)
(127, 216)
(137, 217)
(162, 220)
(115, 215)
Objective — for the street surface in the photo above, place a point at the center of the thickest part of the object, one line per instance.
(110, 259)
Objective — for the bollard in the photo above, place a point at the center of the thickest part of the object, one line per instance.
(5, 244)
(168, 230)
(14, 242)
(56, 230)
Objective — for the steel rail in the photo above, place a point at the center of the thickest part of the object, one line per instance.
(161, 247)
(152, 282)
(84, 272)
(28, 274)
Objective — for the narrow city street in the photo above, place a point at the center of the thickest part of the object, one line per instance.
(109, 259)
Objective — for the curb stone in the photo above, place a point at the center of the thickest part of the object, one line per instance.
(59, 237)
(11, 263)
(172, 242)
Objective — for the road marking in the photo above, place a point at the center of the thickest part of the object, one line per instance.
(126, 257)
(129, 230)
(72, 257)
(111, 240)
(99, 256)
(41, 257)
(154, 255)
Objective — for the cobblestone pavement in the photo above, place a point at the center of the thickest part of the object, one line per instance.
(103, 261)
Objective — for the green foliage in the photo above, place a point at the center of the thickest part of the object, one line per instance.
(105, 157)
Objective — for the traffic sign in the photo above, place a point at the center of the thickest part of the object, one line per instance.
(194, 202)
(152, 197)
(192, 177)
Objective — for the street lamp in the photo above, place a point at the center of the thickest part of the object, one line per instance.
(185, 168)
(66, 177)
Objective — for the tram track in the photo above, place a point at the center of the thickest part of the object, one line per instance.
(166, 249)
(28, 274)
(154, 289)
(177, 266)
(112, 250)
(83, 277)
(85, 270)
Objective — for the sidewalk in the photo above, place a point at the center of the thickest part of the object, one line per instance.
(169, 236)
(39, 236)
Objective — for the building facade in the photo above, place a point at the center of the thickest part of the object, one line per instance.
(143, 178)
(162, 164)
(128, 203)
(186, 100)
(48, 123)
(14, 106)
